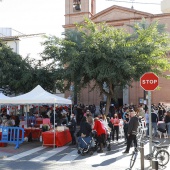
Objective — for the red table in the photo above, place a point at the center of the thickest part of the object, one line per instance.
(2, 144)
(35, 132)
(61, 138)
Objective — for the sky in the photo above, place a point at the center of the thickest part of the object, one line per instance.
(47, 16)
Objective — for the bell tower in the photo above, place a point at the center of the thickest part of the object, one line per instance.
(76, 10)
(165, 6)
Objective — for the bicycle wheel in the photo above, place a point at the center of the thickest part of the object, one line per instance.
(163, 157)
(133, 159)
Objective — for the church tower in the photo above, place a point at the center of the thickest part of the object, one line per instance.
(165, 6)
(76, 10)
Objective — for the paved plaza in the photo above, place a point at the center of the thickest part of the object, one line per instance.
(66, 157)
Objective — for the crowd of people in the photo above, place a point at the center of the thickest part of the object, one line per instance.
(9, 120)
(133, 116)
(130, 116)
(91, 120)
(86, 119)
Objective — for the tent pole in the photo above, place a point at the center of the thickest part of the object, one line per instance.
(54, 126)
(26, 116)
(38, 110)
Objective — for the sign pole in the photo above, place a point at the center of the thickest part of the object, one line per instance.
(150, 122)
(149, 82)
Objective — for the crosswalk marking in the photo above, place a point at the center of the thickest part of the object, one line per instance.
(97, 158)
(69, 157)
(48, 154)
(23, 154)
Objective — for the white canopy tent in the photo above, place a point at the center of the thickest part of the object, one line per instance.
(36, 96)
(2, 96)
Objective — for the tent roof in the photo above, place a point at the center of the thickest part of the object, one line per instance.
(37, 95)
(2, 96)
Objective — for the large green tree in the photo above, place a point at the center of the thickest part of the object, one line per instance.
(18, 75)
(108, 55)
(12, 68)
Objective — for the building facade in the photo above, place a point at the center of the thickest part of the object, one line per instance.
(6, 35)
(119, 17)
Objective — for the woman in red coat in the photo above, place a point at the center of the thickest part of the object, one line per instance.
(101, 133)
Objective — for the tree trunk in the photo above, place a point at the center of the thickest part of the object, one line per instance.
(75, 94)
(108, 104)
(109, 96)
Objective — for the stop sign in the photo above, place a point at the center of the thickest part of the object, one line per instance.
(149, 81)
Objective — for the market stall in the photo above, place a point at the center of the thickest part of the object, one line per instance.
(37, 96)
(61, 138)
(34, 133)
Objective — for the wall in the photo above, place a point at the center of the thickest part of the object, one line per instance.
(14, 45)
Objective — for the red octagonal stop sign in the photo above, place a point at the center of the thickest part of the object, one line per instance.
(149, 81)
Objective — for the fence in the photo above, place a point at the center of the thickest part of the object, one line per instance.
(12, 135)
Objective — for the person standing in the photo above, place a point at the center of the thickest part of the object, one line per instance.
(17, 121)
(161, 112)
(104, 121)
(101, 133)
(112, 110)
(132, 131)
(125, 111)
(141, 114)
(154, 120)
(167, 121)
(110, 128)
(93, 110)
(79, 115)
(90, 119)
(9, 121)
(85, 128)
(147, 121)
(72, 127)
(125, 127)
(115, 121)
(57, 119)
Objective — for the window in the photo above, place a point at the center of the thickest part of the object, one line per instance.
(76, 5)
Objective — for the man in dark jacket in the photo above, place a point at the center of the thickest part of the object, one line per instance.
(57, 119)
(72, 128)
(154, 120)
(17, 121)
(132, 131)
(125, 127)
(85, 127)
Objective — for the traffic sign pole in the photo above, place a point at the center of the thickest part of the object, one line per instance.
(149, 82)
(150, 122)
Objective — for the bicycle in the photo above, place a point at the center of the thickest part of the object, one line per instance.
(133, 157)
(161, 154)
(139, 135)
